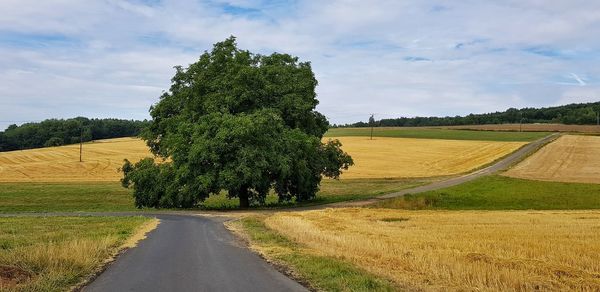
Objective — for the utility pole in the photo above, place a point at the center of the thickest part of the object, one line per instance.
(521, 125)
(598, 118)
(81, 144)
(372, 121)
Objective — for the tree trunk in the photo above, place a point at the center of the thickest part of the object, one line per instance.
(244, 200)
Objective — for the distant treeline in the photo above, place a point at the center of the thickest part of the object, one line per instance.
(577, 114)
(56, 132)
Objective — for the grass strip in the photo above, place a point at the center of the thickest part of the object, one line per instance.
(503, 193)
(58, 253)
(318, 272)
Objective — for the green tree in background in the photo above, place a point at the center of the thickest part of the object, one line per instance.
(240, 122)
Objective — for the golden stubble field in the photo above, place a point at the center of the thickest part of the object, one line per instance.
(570, 158)
(385, 157)
(101, 161)
(377, 158)
(457, 250)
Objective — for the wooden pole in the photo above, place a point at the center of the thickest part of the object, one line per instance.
(521, 125)
(81, 145)
(370, 122)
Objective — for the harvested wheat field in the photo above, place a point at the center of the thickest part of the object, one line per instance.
(531, 127)
(385, 157)
(568, 159)
(459, 250)
(101, 161)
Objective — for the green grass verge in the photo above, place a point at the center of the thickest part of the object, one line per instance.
(110, 196)
(323, 273)
(64, 197)
(429, 133)
(503, 193)
(56, 253)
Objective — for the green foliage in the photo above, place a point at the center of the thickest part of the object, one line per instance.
(437, 134)
(54, 132)
(239, 122)
(54, 141)
(503, 193)
(153, 183)
(576, 113)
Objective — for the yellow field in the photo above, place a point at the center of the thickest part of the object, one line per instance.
(568, 159)
(377, 158)
(101, 161)
(457, 250)
(406, 157)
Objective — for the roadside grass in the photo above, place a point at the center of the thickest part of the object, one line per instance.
(503, 193)
(323, 273)
(57, 253)
(332, 191)
(64, 197)
(432, 133)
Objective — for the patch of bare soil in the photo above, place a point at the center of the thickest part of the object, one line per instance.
(12, 276)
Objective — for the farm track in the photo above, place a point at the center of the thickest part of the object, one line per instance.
(192, 252)
(502, 164)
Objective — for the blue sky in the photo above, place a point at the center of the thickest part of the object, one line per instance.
(61, 58)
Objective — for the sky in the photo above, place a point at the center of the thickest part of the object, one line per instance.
(109, 58)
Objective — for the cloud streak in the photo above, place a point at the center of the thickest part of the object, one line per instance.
(578, 79)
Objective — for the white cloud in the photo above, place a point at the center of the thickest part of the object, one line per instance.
(113, 58)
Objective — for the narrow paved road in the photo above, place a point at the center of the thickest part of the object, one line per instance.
(191, 253)
(500, 165)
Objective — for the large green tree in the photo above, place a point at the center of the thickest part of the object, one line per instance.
(238, 122)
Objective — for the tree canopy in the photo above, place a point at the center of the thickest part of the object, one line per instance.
(238, 122)
(56, 132)
(576, 113)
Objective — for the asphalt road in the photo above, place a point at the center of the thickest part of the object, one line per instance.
(194, 253)
(500, 165)
(191, 253)
(496, 167)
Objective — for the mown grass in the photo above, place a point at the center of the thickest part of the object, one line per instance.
(503, 193)
(64, 197)
(430, 133)
(323, 273)
(110, 196)
(55, 253)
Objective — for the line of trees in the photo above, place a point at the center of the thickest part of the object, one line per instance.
(574, 114)
(56, 132)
